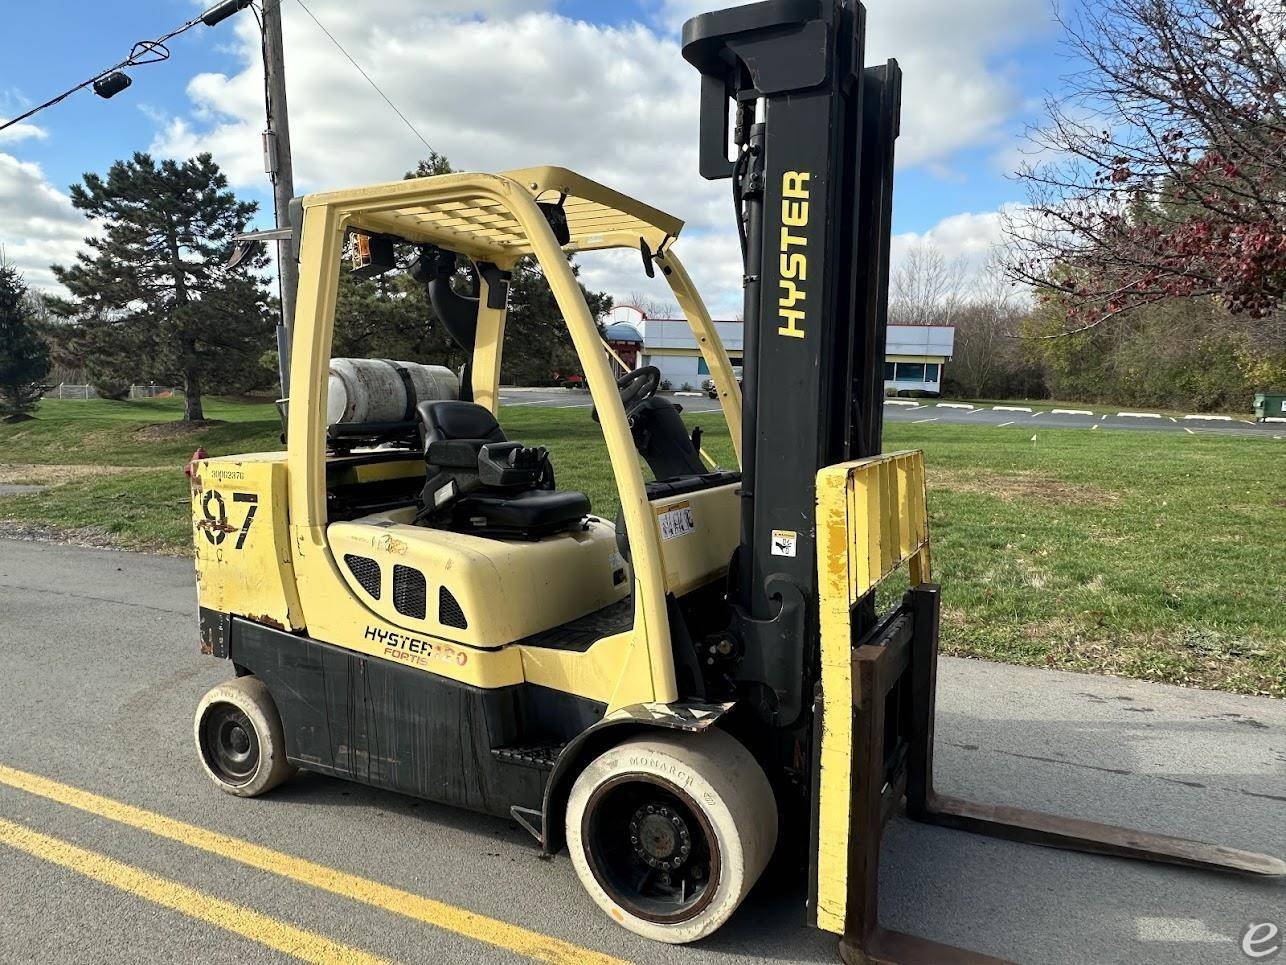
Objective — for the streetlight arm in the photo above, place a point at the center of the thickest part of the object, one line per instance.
(222, 11)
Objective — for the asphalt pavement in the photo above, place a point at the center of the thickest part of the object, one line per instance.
(100, 673)
(1000, 416)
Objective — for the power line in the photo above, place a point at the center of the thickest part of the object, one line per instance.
(387, 100)
(143, 52)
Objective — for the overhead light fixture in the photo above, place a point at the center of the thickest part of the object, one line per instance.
(222, 11)
(111, 85)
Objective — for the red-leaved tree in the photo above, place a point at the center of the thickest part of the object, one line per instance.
(1161, 172)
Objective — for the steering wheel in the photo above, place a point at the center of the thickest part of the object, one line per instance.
(636, 388)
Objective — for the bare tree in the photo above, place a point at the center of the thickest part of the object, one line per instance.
(986, 352)
(1162, 171)
(650, 306)
(927, 288)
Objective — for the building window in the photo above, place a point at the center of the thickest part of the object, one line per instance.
(702, 368)
(932, 372)
(890, 371)
(910, 372)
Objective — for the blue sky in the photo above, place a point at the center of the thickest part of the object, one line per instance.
(597, 86)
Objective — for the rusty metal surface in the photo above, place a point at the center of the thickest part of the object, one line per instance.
(1073, 834)
(885, 947)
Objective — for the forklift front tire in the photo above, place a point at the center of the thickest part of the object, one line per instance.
(239, 738)
(669, 832)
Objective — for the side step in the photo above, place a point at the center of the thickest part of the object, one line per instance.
(542, 756)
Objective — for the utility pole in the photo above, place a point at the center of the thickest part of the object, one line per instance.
(280, 168)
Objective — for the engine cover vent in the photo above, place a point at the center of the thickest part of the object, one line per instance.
(410, 592)
(367, 572)
(450, 613)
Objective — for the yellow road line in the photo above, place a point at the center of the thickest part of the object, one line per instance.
(188, 901)
(492, 931)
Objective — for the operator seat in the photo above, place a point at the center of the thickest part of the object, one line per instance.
(479, 482)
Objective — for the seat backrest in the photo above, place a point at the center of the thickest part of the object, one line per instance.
(450, 421)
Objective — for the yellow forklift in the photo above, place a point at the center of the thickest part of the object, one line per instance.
(684, 692)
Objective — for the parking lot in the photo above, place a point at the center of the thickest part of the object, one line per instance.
(1000, 415)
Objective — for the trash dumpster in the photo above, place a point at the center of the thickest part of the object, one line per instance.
(1270, 405)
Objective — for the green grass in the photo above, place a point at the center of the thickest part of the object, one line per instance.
(1152, 555)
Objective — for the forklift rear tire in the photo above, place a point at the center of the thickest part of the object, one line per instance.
(669, 832)
(239, 738)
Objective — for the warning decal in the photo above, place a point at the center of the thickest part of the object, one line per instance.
(783, 542)
(676, 521)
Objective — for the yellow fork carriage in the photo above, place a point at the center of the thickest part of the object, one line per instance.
(409, 600)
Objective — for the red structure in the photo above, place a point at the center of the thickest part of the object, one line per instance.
(626, 342)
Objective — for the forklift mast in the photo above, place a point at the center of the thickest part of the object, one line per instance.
(812, 128)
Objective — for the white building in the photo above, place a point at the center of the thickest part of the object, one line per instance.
(668, 344)
(914, 355)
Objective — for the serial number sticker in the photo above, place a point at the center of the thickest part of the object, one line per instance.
(676, 521)
(784, 542)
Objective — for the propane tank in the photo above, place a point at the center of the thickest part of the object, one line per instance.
(375, 390)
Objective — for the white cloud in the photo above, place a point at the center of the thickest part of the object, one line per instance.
(712, 258)
(38, 225)
(618, 104)
(969, 236)
(22, 132)
(954, 96)
(969, 240)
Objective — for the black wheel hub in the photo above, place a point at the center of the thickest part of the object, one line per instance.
(230, 743)
(651, 848)
(660, 836)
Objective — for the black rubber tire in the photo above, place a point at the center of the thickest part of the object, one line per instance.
(239, 739)
(722, 789)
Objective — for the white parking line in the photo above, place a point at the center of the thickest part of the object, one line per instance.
(1189, 431)
(1003, 424)
(918, 421)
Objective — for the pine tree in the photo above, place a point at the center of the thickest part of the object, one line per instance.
(24, 357)
(153, 298)
(430, 166)
(391, 317)
(537, 342)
